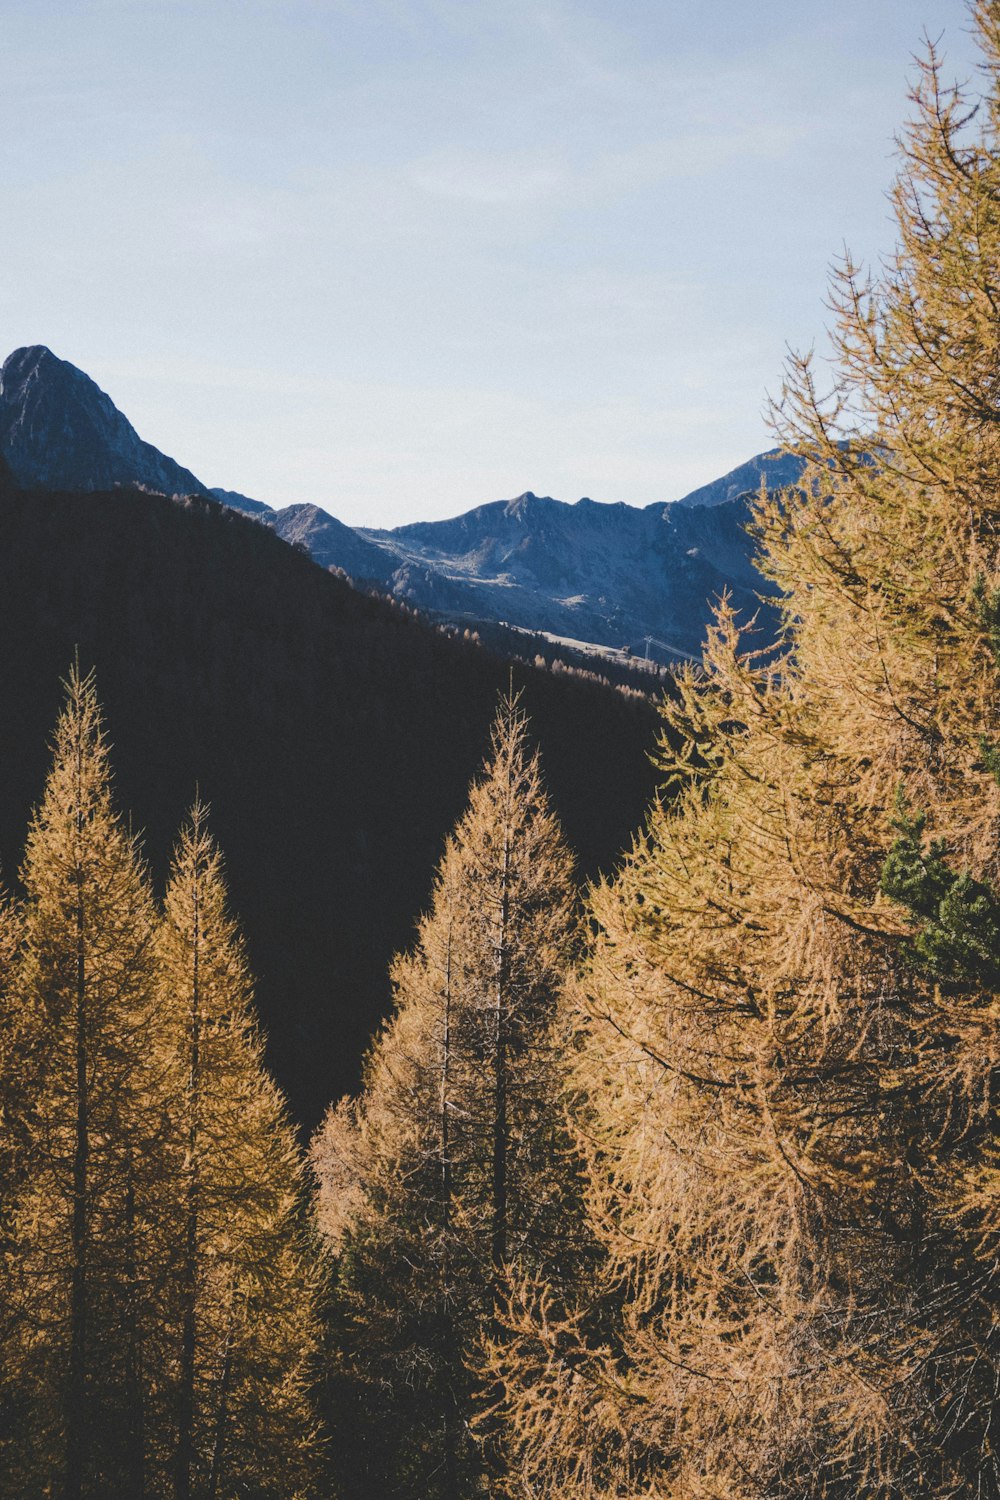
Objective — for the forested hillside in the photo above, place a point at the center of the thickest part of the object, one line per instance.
(333, 735)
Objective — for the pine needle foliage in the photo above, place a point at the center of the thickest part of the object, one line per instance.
(957, 917)
(449, 1177)
(788, 1025)
(245, 1278)
(15, 1093)
(158, 1279)
(85, 1261)
(12, 1080)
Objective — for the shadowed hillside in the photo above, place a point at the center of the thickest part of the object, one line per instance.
(334, 735)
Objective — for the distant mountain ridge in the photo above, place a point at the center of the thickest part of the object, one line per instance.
(611, 574)
(776, 468)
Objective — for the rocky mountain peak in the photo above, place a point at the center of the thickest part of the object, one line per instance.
(59, 430)
(520, 508)
(31, 361)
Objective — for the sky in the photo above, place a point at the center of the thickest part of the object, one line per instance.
(401, 257)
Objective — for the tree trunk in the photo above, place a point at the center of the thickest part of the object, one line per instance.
(135, 1458)
(448, 1335)
(222, 1414)
(189, 1271)
(76, 1415)
(498, 1237)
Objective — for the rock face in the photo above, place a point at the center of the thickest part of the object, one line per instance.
(609, 574)
(58, 430)
(777, 469)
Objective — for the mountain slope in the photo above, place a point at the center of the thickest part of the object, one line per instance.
(59, 430)
(332, 544)
(777, 469)
(334, 735)
(236, 501)
(611, 574)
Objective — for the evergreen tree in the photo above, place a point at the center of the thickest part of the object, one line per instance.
(449, 1177)
(85, 1257)
(788, 1027)
(245, 1275)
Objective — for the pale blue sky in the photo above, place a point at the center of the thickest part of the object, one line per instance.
(399, 257)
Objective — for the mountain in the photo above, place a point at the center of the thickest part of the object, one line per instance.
(609, 574)
(331, 543)
(776, 468)
(334, 734)
(58, 430)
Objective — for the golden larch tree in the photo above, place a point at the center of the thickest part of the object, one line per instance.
(86, 1259)
(788, 1025)
(246, 1274)
(15, 1096)
(450, 1176)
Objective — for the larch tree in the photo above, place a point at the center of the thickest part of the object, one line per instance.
(788, 1025)
(15, 1094)
(12, 1080)
(85, 1261)
(450, 1176)
(246, 1275)
(404, 1286)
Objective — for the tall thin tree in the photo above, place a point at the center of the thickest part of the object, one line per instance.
(85, 1216)
(246, 1270)
(449, 1175)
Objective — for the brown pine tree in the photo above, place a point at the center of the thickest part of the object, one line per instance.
(86, 1257)
(15, 1094)
(246, 1274)
(449, 1176)
(788, 1028)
